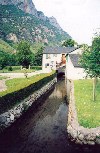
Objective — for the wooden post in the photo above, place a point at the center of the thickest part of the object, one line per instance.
(21, 67)
(29, 67)
(94, 88)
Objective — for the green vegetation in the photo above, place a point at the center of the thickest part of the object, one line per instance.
(6, 59)
(18, 89)
(38, 57)
(90, 61)
(24, 25)
(35, 47)
(88, 111)
(5, 47)
(24, 55)
(69, 43)
(17, 69)
(7, 55)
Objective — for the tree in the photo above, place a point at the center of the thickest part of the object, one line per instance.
(38, 57)
(91, 61)
(24, 55)
(3, 59)
(83, 46)
(6, 59)
(69, 43)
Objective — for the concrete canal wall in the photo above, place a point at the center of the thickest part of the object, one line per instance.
(76, 132)
(9, 117)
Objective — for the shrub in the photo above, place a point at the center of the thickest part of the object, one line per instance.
(10, 68)
(36, 67)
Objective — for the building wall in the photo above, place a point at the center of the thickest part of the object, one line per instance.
(72, 72)
(49, 61)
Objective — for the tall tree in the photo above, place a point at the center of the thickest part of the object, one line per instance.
(6, 59)
(24, 55)
(3, 59)
(38, 57)
(69, 43)
(91, 61)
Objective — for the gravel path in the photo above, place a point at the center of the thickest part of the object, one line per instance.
(20, 75)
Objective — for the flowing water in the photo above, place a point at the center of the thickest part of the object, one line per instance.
(43, 129)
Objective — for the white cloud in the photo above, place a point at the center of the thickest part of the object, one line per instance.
(78, 17)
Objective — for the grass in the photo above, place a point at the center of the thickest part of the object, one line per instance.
(20, 83)
(17, 69)
(88, 110)
(20, 88)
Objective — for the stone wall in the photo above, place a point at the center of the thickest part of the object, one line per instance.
(76, 132)
(7, 118)
(68, 87)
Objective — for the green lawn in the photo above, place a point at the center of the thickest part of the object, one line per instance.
(20, 83)
(20, 88)
(88, 110)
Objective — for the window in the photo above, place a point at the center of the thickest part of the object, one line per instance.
(46, 65)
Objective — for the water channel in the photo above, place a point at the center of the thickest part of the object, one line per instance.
(43, 128)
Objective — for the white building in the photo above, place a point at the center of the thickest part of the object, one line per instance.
(54, 57)
(74, 70)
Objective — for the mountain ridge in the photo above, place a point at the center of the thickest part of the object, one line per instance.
(28, 7)
(31, 24)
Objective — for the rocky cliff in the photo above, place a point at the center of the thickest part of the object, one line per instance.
(28, 7)
(21, 20)
(25, 5)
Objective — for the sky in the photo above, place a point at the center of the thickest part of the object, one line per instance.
(79, 18)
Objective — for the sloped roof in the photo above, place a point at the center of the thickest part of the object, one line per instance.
(75, 60)
(58, 50)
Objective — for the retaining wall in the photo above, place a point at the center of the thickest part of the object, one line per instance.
(78, 133)
(7, 118)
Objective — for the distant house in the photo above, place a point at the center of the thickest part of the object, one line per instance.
(53, 57)
(74, 70)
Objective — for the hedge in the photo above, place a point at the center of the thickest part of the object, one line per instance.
(11, 99)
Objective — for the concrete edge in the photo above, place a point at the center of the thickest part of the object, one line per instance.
(77, 133)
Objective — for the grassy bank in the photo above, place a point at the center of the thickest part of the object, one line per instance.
(87, 109)
(20, 88)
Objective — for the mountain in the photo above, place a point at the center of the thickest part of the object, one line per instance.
(25, 5)
(21, 20)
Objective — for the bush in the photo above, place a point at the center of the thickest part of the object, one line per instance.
(10, 68)
(36, 67)
(16, 68)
